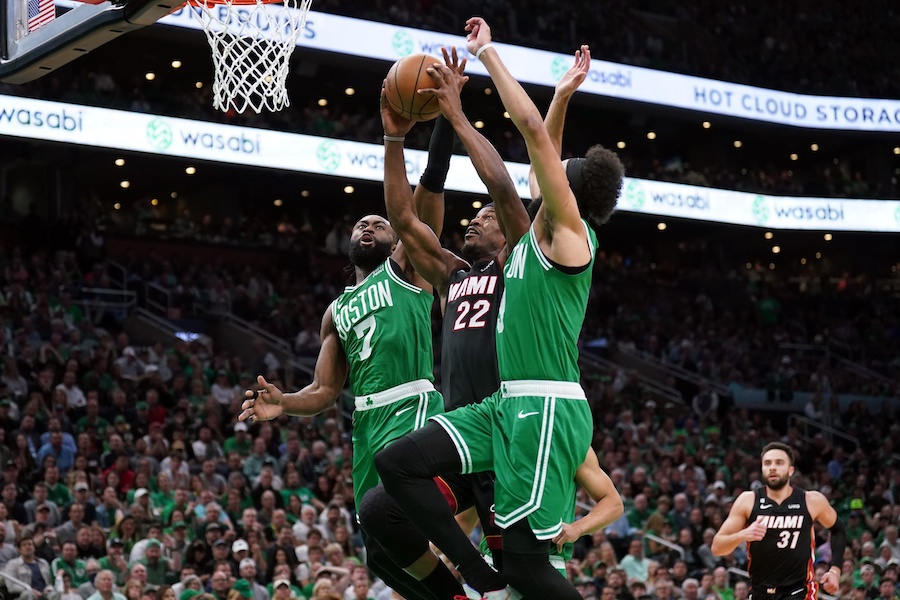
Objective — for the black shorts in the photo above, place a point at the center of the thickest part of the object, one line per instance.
(800, 591)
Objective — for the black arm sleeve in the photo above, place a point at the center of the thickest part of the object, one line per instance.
(440, 149)
(838, 543)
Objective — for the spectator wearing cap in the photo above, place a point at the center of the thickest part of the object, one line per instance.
(211, 532)
(248, 573)
(240, 550)
(159, 568)
(28, 569)
(244, 589)
(180, 539)
(129, 365)
(39, 496)
(114, 561)
(240, 442)
(138, 551)
(67, 531)
(868, 580)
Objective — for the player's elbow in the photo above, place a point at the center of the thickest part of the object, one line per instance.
(717, 548)
(531, 125)
(617, 507)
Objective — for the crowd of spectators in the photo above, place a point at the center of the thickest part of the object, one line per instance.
(125, 458)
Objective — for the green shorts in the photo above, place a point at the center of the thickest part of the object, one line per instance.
(534, 435)
(381, 418)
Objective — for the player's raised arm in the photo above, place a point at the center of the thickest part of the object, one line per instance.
(269, 402)
(511, 214)
(601, 489)
(419, 246)
(565, 233)
(555, 119)
(734, 530)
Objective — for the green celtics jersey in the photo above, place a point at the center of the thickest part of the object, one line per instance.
(384, 324)
(541, 314)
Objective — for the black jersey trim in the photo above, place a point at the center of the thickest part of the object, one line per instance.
(568, 270)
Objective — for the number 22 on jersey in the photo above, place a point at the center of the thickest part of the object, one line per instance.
(471, 316)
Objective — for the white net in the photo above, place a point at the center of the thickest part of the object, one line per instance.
(251, 43)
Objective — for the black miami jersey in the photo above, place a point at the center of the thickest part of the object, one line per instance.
(781, 564)
(469, 348)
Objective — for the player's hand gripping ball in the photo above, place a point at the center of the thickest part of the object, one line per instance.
(405, 78)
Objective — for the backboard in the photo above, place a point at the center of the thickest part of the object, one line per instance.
(77, 29)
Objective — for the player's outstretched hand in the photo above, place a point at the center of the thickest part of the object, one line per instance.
(568, 535)
(394, 125)
(479, 34)
(831, 581)
(576, 74)
(449, 80)
(263, 404)
(755, 531)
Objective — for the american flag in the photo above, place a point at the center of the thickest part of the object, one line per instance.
(40, 12)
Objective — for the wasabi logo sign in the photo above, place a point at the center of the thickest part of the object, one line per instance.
(635, 196)
(402, 43)
(760, 210)
(329, 156)
(558, 67)
(159, 134)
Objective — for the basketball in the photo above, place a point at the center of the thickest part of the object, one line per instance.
(405, 77)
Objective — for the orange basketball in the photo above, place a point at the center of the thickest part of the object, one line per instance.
(405, 77)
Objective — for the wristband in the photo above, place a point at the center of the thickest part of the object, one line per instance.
(835, 568)
(394, 138)
(482, 49)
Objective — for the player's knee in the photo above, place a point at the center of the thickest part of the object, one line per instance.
(396, 459)
(373, 510)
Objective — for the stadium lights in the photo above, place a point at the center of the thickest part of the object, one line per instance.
(349, 91)
(706, 124)
(305, 193)
(348, 189)
(278, 202)
(776, 249)
(896, 149)
(464, 222)
(322, 102)
(794, 156)
(173, 195)
(769, 235)
(150, 76)
(154, 202)
(738, 143)
(478, 124)
(771, 266)
(125, 184)
(620, 144)
(176, 64)
(814, 147)
(505, 115)
(477, 204)
(120, 162)
(488, 91)
(828, 237)
(198, 85)
(661, 226)
(117, 206)
(818, 255)
(190, 170)
(802, 261)
(651, 135)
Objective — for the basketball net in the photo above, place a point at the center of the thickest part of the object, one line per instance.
(252, 42)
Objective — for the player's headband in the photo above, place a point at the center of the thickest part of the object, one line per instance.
(574, 174)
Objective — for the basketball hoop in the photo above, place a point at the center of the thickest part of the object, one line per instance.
(252, 42)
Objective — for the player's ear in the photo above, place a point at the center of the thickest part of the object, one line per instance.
(791, 471)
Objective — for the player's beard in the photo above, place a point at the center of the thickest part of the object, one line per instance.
(369, 258)
(778, 483)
